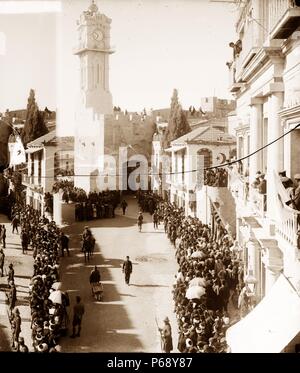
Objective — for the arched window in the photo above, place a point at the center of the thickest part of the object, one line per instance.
(207, 154)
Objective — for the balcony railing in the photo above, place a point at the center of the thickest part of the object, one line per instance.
(283, 18)
(33, 182)
(288, 226)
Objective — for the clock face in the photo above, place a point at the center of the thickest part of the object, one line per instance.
(97, 35)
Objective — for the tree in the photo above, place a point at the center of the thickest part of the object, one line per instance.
(177, 124)
(34, 125)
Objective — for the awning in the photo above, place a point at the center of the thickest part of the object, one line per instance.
(273, 323)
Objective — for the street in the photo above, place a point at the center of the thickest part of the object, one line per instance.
(125, 321)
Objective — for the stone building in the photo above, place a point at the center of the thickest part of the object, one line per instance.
(265, 79)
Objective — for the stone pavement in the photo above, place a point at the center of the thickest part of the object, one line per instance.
(125, 321)
(23, 265)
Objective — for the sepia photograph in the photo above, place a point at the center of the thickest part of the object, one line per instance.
(150, 178)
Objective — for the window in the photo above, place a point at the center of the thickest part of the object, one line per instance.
(207, 154)
(98, 73)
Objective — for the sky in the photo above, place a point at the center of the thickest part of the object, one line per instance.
(159, 45)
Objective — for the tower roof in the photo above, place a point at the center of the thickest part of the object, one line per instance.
(93, 8)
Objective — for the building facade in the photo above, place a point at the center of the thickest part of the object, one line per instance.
(200, 149)
(45, 165)
(265, 80)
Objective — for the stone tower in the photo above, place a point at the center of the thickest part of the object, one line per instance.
(95, 99)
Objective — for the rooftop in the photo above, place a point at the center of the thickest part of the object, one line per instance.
(51, 139)
(206, 135)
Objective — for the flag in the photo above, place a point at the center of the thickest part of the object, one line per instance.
(18, 153)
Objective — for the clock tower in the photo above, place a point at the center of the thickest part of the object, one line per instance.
(95, 100)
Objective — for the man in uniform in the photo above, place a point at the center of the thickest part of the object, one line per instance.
(3, 236)
(124, 206)
(11, 273)
(140, 220)
(78, 312)
(15, 328)
(166, 337)
(12, 296)
(24, 241)
(64, 244)
(127, 269)
(2, 257)
(155, 218)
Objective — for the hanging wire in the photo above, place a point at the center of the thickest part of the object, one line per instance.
(188, 171)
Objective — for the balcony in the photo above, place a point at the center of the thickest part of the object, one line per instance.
(252, 41)
(284, 18)
(33, 182)
(288, 226)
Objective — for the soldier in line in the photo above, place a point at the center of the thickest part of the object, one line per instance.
(15, 322)
(140, 221)
(124, 205)
(2, 258)
(78, 312)
(3, 236)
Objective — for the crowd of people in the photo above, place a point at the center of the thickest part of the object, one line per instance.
(217, 177)
(48, 313)
(97, 206)
(210, 274)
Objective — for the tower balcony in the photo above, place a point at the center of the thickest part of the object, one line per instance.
(284, 18)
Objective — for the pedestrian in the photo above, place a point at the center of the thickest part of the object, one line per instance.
(140, 221)
(166, 337)
(3, 236)
(78, 312)
(124, 205)
(22, 346)
(15, 223)
(155, 220)
(11, 273)
(2, 258)
(24, 241)
(12, 296)
(64, 244)
(15, 328)
(127, 269)
(95, 279)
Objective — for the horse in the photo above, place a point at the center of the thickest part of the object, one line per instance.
(87, 247)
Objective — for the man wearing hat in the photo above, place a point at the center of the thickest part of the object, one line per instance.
(15, 322)
(127, 269)
(11, 273)
(78, 312)
(2, 257)
(140, 221)
(22, 346)
(3, 236)
(166, 337)
(64, 244)
(12, 296)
